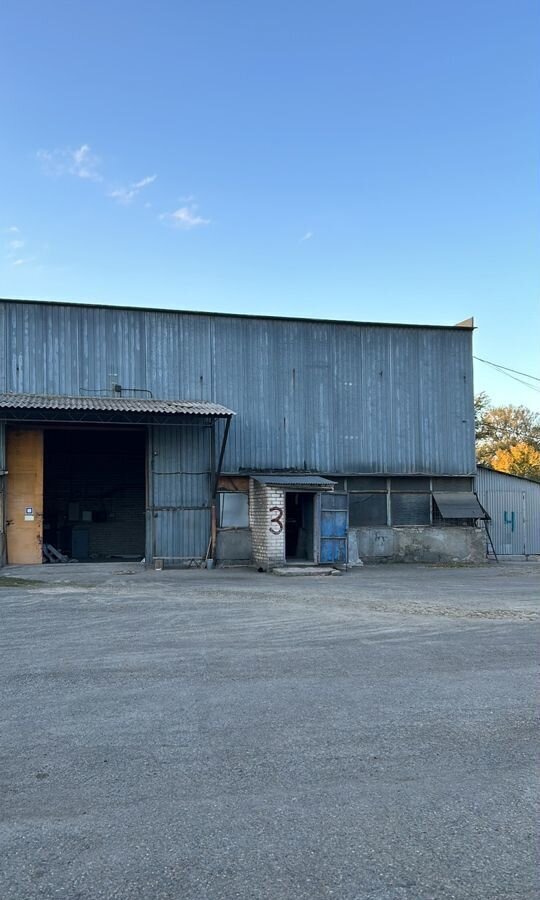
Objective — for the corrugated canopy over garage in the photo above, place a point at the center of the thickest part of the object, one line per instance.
(103, 477)
(102, 409)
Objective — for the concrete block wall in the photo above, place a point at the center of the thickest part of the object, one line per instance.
(233, 546)
(267, 523)
(417, 544)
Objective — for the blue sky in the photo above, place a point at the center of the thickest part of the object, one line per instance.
(361, 160)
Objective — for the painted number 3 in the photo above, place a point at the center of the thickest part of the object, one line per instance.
(276, 526)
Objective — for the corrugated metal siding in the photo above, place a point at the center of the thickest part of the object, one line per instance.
(2, 446)
(182, 534)
(315, 396)
(503, 495)
(2, 491)
(180, 491)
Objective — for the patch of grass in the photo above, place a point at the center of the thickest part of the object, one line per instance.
(13, 581)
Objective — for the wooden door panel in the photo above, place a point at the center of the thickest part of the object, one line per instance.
(24, 492)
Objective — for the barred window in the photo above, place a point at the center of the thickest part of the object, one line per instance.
(410, 509)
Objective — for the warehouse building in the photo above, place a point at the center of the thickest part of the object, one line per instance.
(513, 504)
(180, 437)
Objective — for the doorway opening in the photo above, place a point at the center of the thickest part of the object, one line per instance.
(94, 493)
(299, 530)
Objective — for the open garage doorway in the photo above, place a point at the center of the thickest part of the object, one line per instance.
(94, 492)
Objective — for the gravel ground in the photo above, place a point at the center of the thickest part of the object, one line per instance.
(230, 734)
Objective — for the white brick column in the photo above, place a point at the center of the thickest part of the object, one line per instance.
(267, 523)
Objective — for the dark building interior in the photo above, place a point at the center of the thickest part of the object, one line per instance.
(94, 492)
(299, 510)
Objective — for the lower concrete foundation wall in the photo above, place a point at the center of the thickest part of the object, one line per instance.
(417, 544)
(233, 546)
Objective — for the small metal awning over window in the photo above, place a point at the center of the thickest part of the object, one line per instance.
(307, 482)
(459, 505)
(103, 409)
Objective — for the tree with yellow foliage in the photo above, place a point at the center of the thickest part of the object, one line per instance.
(521, 459)
(508, 438)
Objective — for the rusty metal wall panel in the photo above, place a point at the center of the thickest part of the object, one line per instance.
(315, 396)
(514, 506)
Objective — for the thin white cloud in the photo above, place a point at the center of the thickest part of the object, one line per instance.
(13, 248)
(307, 237)
(144, 182)
(126, 195)
(85, 163)
(185, 217)
(81, 162)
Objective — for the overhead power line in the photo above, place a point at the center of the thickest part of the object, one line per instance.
(505, 368)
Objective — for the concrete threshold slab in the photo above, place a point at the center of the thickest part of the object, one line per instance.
(291, 571)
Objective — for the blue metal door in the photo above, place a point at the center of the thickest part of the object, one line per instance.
(333, 527)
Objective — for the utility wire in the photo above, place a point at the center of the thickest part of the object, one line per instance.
(506, 369)
(520, 380)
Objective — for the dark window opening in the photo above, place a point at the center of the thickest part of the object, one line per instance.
(452, 484)
(339, 483)
(409, 484)
(299, 510)
(94, 493)
(367, 509)
(366, 483)
(410, 509)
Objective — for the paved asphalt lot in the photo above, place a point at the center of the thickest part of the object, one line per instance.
(196, 735)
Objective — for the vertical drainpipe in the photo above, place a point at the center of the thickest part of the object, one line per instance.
(213, 527)
(210, 550)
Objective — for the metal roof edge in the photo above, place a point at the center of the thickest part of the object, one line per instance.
(13, 400)
(507, 474)
(231, 315)
(292, 479)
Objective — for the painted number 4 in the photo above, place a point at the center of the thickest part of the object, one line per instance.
(276, 526)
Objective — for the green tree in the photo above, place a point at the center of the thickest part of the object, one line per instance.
(481, 405)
